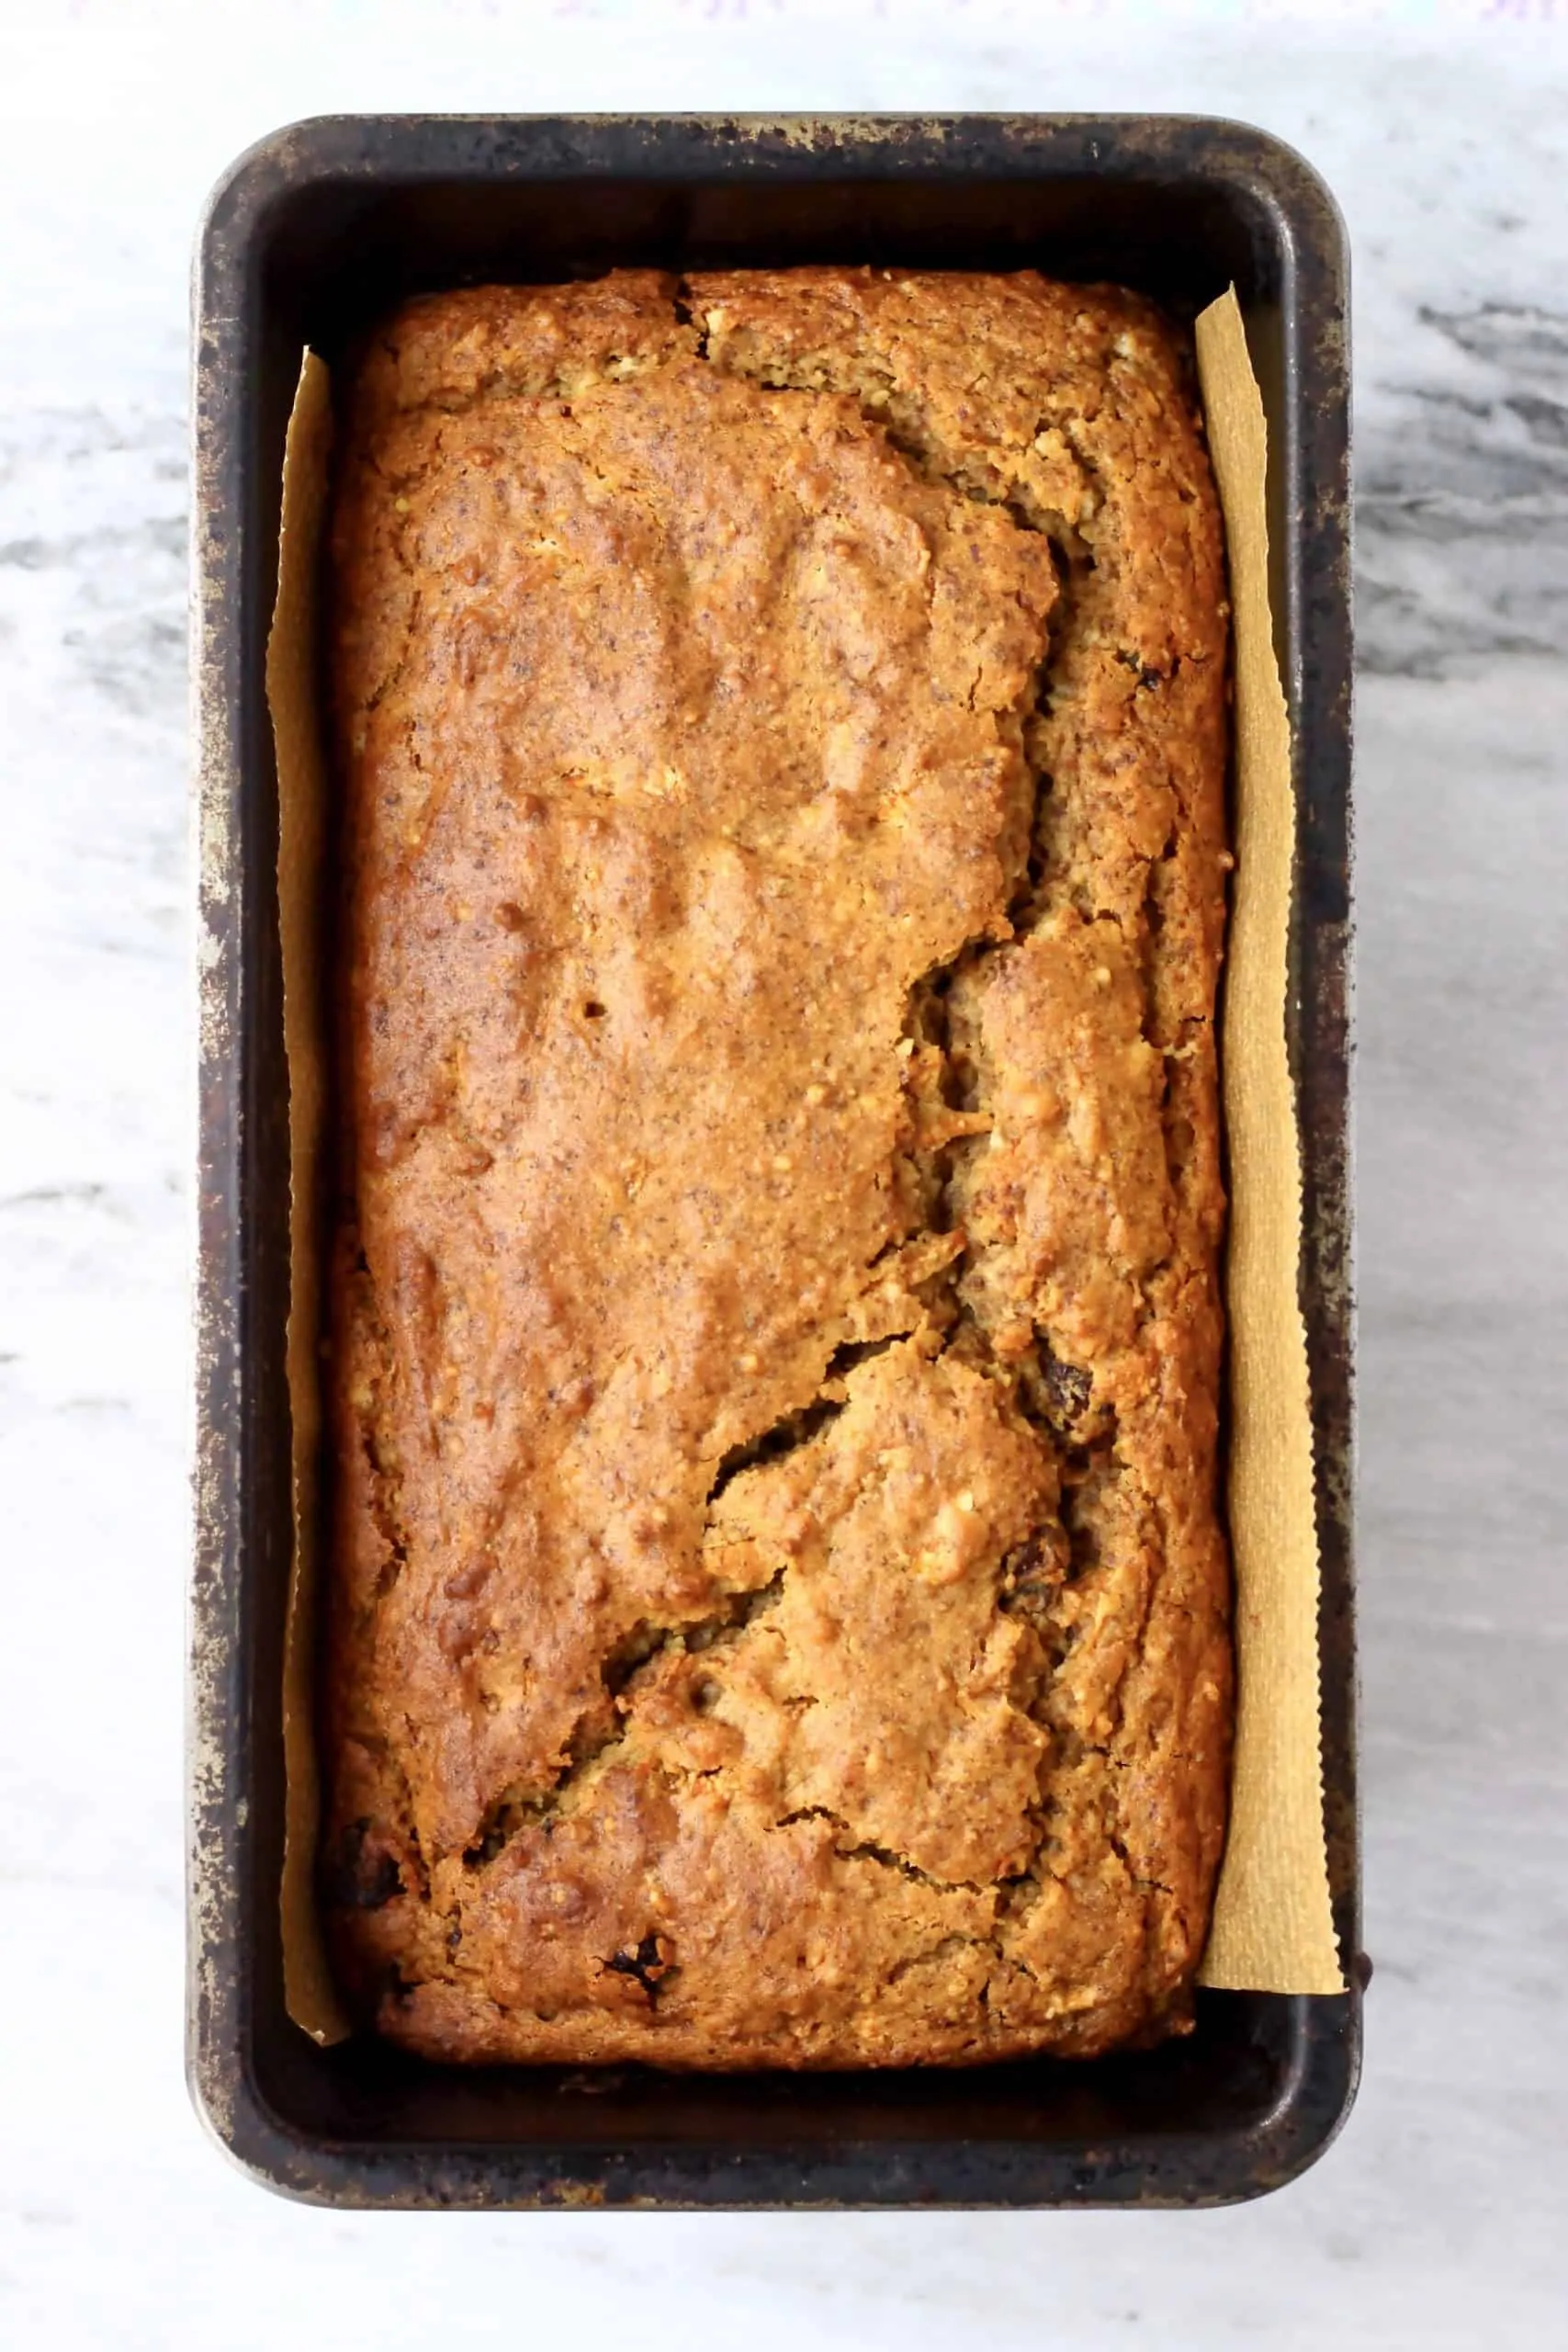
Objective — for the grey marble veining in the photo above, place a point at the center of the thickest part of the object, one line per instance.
(1462, 497)
(1437, 2221)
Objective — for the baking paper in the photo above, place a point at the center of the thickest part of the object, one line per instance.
(1273, 1931)
(301, 835)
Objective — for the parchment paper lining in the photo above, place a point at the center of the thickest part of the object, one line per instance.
(1272, 1927)
(300, 737)
(1273, 1930)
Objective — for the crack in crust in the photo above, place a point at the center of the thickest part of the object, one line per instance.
(987, 1442)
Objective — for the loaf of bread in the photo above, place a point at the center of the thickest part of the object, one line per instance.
(779, 1610)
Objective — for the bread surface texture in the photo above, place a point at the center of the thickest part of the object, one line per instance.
(779, 1604)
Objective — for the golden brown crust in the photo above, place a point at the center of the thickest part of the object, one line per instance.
(779, 1607)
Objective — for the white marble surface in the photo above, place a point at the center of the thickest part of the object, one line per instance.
(1431, 2223)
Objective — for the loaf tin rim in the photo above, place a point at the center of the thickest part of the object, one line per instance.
(408, 150)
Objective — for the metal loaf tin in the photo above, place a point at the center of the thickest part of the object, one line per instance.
(309, 235)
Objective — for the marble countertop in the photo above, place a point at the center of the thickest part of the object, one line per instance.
(1430, 2224)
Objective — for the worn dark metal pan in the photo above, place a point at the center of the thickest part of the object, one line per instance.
(308, 237)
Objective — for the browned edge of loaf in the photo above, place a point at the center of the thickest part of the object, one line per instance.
(779, 1608)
